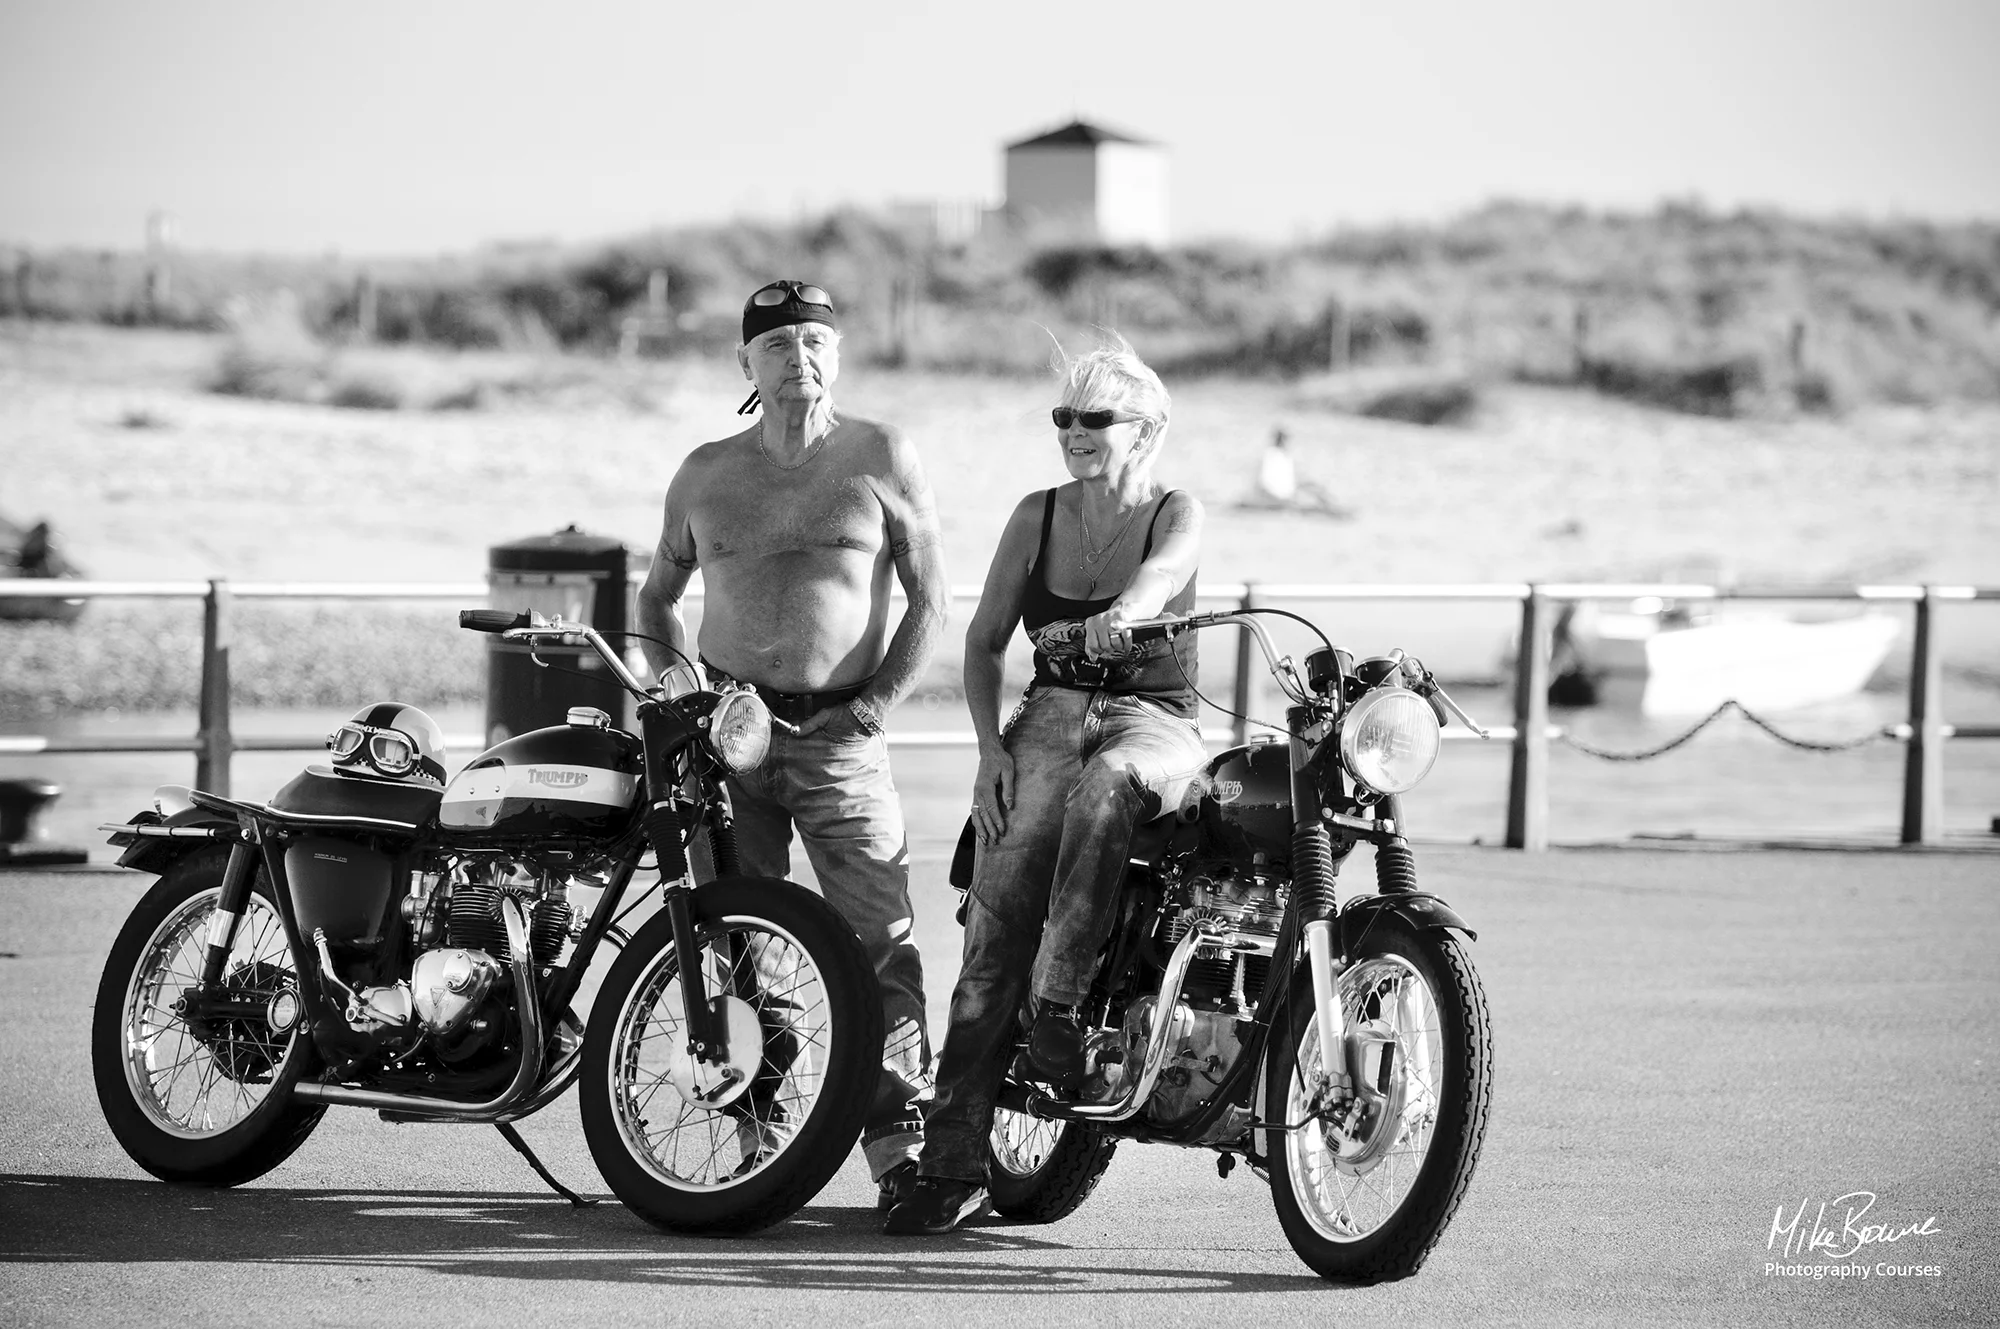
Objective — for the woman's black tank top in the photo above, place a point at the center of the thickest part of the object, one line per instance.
(1164, 671)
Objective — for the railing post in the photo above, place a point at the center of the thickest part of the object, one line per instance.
(1923, 758)
(1528, 782)
(211, 758)
(1239, 728)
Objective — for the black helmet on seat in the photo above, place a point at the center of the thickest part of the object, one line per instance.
(390, 740)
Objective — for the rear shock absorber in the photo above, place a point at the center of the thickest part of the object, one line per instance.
(1395, 867)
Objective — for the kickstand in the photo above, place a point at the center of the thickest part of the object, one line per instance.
(513, 1137)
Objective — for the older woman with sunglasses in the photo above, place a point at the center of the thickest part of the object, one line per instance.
(1104, 740)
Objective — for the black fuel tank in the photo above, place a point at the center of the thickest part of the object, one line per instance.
(1246, 803)
(565, 782)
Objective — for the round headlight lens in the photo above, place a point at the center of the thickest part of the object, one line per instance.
(1389, 740)
(740, 730)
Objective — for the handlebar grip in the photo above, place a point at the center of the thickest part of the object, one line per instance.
(1437, 709)
(1152, 631)
(491, 620)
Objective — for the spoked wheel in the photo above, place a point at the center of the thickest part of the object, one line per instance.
(693, 1147)
(204, 1100)
(1366, 1182)
(1042, 1171)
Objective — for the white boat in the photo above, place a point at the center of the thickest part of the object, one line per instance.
(1764, 661)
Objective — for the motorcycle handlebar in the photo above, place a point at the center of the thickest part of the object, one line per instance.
(530, 627)
(491, 620)
(1157, 629)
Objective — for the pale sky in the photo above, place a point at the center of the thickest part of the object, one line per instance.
(410, 127)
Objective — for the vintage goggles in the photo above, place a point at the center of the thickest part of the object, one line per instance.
(387, 750)
(781, 292)
(1064, 416)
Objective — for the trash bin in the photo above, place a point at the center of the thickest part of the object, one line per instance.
(581, 577)
(23, 842)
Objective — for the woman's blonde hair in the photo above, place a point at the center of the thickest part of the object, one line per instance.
(1113, 375)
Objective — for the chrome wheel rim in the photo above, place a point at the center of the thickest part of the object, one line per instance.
(687, 1146)
(1021, 1143)
(1350, 1177)
(194, 1087)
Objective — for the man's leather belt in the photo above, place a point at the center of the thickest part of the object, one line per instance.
(792, 707)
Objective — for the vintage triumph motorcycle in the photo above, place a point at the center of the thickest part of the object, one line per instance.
(1344, 1050)
(374, 936)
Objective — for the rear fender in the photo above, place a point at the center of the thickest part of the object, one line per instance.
(147, 854)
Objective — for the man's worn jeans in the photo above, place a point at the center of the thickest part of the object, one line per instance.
(1089, 767)
(838, 792)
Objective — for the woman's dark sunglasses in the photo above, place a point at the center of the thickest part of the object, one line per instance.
(779, 292)
(1063, 416)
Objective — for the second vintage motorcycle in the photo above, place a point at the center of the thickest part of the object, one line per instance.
(375, 936)
(1343, 1050)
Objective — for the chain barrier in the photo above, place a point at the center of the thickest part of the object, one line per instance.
(1803, 744)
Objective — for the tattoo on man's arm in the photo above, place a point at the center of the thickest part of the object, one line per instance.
(906, 545)
(1180, 519)
(685, 562)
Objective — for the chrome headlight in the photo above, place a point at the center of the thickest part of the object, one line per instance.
(1389, 740)
(739, 729)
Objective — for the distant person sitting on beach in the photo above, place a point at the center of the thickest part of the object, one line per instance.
(1279, 486)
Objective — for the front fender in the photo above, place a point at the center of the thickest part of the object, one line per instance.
(1413, 907)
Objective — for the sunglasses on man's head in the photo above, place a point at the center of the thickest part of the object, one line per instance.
(779, 292)
(1064, 417)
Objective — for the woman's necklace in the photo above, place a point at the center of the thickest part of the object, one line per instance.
(1096, 556)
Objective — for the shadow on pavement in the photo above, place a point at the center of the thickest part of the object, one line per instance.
(526, 1235)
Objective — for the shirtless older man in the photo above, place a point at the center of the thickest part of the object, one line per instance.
(797, 524)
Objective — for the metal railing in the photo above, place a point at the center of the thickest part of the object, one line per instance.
(1924, 733)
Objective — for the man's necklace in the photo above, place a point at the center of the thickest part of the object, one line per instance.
(812, 450)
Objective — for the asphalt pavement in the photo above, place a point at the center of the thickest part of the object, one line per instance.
(1693, 1045)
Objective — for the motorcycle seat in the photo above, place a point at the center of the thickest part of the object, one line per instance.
(1147, 842)
(319, 794)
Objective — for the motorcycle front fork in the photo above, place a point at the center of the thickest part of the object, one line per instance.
(1343, 1052)
(707, 1020)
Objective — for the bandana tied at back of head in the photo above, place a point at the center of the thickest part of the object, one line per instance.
(761, 314)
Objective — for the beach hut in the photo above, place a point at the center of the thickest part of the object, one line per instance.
(1087, 182)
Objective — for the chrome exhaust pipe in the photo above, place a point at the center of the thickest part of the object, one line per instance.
(1203, 932)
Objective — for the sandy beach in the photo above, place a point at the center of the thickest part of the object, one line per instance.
(108, 434)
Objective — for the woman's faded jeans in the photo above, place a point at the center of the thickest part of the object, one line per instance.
(1089, 767)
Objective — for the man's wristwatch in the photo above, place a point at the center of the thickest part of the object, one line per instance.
(864, 715)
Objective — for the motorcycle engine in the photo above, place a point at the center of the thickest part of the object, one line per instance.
(455, 1001)
(459, 989)
(1250, 901)
(1218, 994)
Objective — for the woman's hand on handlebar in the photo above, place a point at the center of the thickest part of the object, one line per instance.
(992, 794)
(1107, 634)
